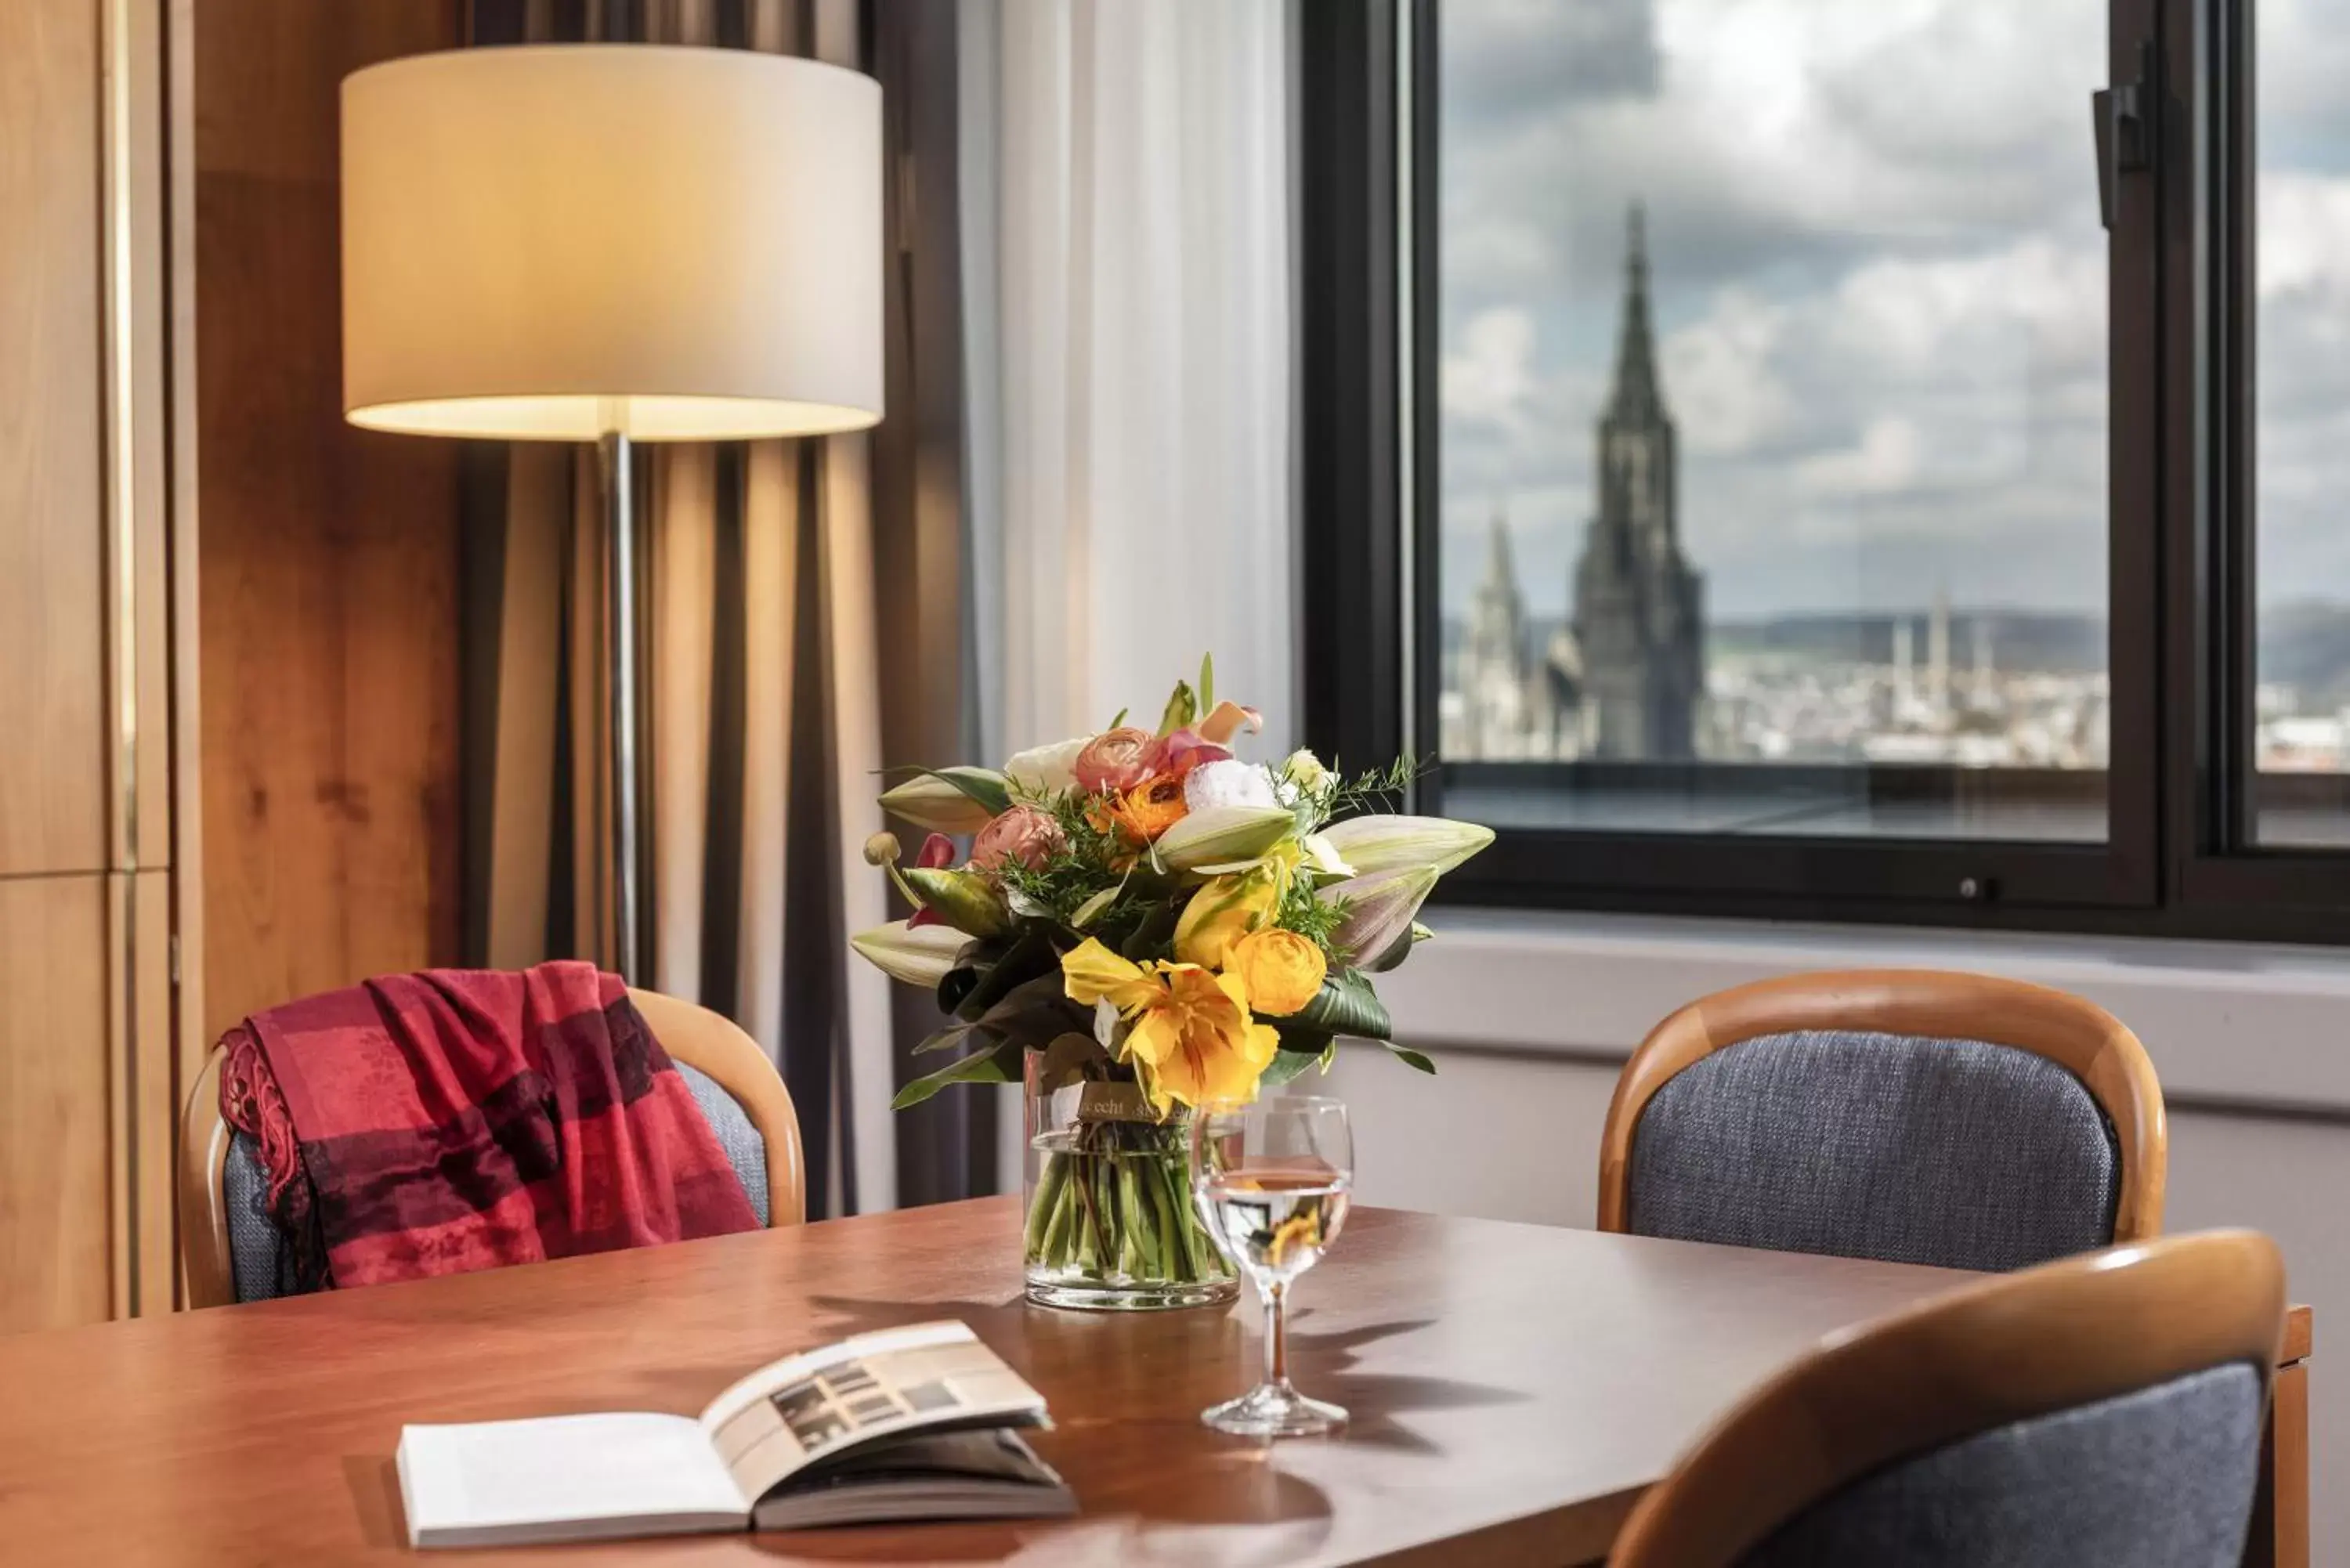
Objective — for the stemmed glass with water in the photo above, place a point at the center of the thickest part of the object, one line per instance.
(1271, 1179)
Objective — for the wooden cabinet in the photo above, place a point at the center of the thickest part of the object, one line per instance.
(52, 752)
(89, 1051)
(55, 1261)
(228, 750)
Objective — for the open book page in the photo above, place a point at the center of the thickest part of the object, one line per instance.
(564, 1478)
(800, 1410)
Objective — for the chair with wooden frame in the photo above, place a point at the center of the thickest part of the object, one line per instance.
(737, 1087)
(1914, 1116)
(2100, 1412)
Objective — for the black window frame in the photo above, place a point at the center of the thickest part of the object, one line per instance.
(2180, 857)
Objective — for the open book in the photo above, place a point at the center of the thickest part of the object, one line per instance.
(905, 1424)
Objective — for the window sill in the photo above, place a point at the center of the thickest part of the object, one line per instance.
(2228, 1024)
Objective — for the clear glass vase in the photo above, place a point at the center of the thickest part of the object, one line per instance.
(1110, 1223)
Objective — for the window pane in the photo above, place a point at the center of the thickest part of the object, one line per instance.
(1773, 417)
(2302, 435)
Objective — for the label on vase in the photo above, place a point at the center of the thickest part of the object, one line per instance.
(1102, 1102)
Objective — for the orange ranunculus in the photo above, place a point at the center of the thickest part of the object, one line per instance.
(1281, 970)
(1149, 808)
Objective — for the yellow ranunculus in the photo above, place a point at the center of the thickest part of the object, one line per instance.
(1223, 911)
(1190, 1037)
(1281, 970)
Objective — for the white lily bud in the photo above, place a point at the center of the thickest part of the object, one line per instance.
(1371, 844)
(1322, 857)
(1380, 910)
(921, 956)
(1224, 834)
(930, 802)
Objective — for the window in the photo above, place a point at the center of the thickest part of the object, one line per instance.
(1771, 418)
(1809, 465)
(2301, 275)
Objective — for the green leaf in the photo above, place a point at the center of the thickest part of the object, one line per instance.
(1068, 1060)
(998, 1065)
(1151, 937)
(1287, 1064)
(1093, 908)
(1347, 1005)
(959, 982)
(1029, 955)
(1114, 723)
(1035, 1010)
(1207, 683)
(1183, 707)
(1410, 1057)
(954, 1036)
(983, 786)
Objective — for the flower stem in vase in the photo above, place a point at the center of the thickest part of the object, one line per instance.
(1043, 1213)
(1187, 1235)
(1141, 1227)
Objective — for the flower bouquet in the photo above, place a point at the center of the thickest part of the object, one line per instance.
(1144, 923)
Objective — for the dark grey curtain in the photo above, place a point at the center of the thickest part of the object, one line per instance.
(810, 624)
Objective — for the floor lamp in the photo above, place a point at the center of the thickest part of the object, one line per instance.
(618, 243)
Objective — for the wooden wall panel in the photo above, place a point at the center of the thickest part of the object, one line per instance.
(53, 795)
(329, 563)
(54, 1151)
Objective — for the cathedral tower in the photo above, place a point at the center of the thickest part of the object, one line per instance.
(1638, 608)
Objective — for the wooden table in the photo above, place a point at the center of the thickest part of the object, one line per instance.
(1514, 1388)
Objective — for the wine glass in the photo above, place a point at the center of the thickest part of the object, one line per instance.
(1270, 1180)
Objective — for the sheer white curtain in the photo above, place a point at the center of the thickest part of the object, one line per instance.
(1126, 231)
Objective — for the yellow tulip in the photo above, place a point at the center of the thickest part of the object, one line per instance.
(1223, 911)
(1281, 970)
(1189, 1036)
(1090, 973)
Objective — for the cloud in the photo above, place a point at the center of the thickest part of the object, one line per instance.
(1885, 461)
(1722, 373)
(1878, 273)
(1489, 378)
(1515, 58)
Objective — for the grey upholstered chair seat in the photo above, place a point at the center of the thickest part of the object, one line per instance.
(2161, 1478)
(1956, 1153)
(253, 1241)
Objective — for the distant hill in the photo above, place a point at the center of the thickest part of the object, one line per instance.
(2019, 639)
(2305, 644)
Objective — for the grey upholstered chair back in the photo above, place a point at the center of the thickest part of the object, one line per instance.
(2159, 1477)
(2103, 1411)
(253, 1241)
(1952, 1152)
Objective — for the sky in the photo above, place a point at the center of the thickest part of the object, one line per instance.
(1879, 282)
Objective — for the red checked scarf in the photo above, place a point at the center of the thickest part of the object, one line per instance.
(459, 1119)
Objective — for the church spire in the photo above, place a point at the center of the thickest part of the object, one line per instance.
(1637, 396)
(1501, 572)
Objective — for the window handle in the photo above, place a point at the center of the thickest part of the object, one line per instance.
(2123, 116)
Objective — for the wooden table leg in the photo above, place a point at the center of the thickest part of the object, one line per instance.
(2279, 1534)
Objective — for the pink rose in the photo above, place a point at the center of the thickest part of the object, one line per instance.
(1117, 761)
(1024, 834)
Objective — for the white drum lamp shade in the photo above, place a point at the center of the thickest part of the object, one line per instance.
(560, 243)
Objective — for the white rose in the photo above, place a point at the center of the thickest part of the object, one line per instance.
(1045, 770)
